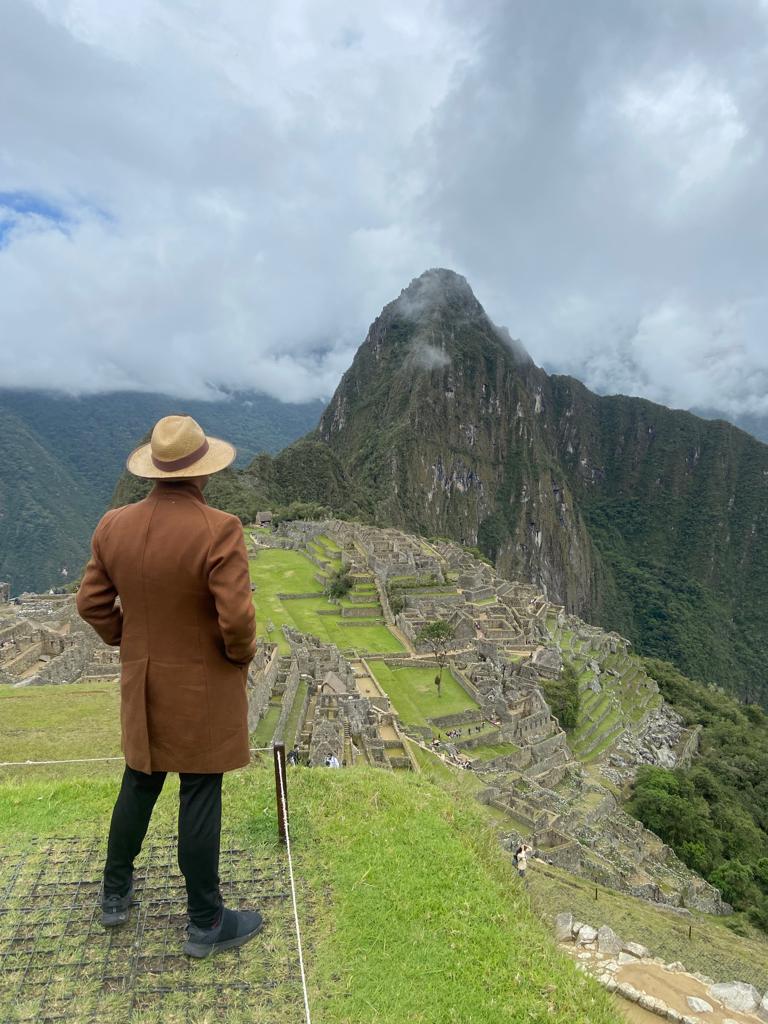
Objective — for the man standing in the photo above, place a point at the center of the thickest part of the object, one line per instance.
(168, 583)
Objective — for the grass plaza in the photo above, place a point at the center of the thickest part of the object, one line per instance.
(276, 572)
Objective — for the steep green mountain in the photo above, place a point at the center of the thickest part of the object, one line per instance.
(43, 508)
(677, 507)
(636, 517)
(754, 423)
(60, 456)
(439, 420)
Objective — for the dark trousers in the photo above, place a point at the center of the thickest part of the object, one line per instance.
(199, 837)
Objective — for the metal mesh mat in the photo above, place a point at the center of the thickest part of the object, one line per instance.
(57, 963)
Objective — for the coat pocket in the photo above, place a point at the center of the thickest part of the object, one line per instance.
(133, 714)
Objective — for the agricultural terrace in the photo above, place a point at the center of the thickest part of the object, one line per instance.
(276, 572)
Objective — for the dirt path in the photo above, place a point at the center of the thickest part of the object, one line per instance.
(673, 987)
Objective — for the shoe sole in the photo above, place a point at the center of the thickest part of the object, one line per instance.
(203, 949)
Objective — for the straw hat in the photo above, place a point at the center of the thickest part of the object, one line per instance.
(179, 448)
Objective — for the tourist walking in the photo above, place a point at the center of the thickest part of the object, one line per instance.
(521, 859)
(168, 583)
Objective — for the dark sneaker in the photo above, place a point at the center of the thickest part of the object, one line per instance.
(235, 928)
(115, 909)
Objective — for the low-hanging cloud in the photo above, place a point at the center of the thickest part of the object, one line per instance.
(226, 197)
(426, 356)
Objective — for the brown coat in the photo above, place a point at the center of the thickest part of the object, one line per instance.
(186, 630)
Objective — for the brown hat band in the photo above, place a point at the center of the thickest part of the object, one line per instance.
(187, 460)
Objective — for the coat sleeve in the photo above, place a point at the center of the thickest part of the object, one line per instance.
(96, 598)
(230, 585)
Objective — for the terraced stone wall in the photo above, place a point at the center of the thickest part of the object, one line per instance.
(262, 676)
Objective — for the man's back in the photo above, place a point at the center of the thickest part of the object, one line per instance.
(186, 631)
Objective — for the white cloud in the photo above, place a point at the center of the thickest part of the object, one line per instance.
(691, 125)
(245, 185)
(238, 183)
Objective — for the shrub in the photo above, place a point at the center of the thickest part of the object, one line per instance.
(563, 697)
(339, 583)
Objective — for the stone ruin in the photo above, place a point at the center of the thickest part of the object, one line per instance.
(335, 717)
(44, 641)
(507, 645)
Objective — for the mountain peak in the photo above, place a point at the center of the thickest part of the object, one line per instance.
(434, 290)
(441, 294)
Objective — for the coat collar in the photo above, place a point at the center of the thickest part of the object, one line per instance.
(182, 488)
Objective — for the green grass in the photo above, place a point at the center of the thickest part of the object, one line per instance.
(290, 736)
(410, 910)
(265, 727)
(414, 694)
(58, 723)
(275, 571)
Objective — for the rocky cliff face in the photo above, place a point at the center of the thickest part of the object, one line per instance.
(440, 419)
(640, 518)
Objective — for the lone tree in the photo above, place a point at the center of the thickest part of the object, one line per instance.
(339, 583)
(437, 635)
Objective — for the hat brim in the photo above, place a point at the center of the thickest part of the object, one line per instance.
(220, 454)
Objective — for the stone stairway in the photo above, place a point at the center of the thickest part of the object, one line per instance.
(18, 664)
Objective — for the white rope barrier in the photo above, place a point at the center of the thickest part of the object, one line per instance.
(72, 760)
(91, 760)
(279, 763)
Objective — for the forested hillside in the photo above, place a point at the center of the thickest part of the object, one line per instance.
(714, 814)
(60, 457)
(677, 509)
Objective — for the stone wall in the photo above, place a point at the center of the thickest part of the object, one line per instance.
(690, 747)
(262, 676)
(449, 721)
(69, 666)
(291, 688)
(550, 745)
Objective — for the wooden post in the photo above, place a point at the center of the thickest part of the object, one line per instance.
(278, 753)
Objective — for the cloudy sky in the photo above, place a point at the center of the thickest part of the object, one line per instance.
(198, 194)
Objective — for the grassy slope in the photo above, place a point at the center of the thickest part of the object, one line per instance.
(713, 948)
(416, 915)
(425, 841)
(59, 722)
